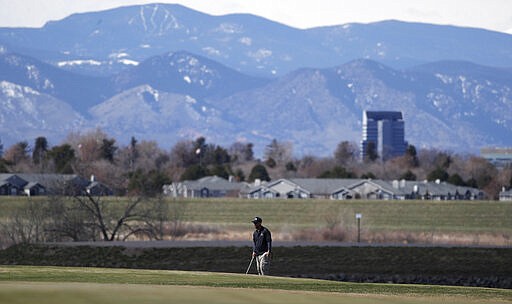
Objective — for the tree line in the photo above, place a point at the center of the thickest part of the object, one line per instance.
(142, 167)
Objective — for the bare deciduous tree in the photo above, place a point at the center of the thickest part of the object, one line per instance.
(241, 152)
(109, 224)
(345, 153)
(18, 157)
(177, 212)
(183, 154)
(89, 218)
(280, 152)
(88, 145)
(156, 217)
(25, 225)
(67, 222)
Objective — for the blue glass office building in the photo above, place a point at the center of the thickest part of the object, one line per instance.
(386, 130)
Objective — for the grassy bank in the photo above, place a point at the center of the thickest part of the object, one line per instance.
(83, 285)
(489, 267)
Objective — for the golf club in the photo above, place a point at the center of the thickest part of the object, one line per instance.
(250, 264)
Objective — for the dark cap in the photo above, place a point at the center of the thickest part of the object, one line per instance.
(257, 219)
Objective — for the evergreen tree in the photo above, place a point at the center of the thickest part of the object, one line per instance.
(456, 180)
(108, 149)
(368, 175)
(472, 183)
(412, 155)
(270, 162)
(63, 157)
(345, 153)
(40, 150)
(221, 171)
(194, 172)
(337, 172)
(290, 166)
(438, 174)
(408, 175)
(239, 175)
(371, 152)
(3, 165)
(221, 156)
(259, 172)
(134, 154)
(148, 184)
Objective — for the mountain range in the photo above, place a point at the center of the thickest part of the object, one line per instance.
(166, 72)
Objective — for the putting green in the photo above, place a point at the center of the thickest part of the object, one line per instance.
(28, 284)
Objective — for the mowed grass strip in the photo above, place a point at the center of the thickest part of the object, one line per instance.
(85, 293)
(400, 293)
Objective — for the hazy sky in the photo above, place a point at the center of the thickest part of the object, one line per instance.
(489, 14)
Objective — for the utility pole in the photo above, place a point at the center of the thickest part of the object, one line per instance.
(358, 218)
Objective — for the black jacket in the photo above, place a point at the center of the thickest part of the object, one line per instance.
(262, 240)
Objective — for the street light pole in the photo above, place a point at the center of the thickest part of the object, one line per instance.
(198, 153)
(358, 218)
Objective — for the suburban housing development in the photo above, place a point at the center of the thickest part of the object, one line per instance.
(23, 184)
(336, 189)
(50, 184)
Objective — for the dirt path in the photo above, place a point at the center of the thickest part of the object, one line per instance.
(224, 243)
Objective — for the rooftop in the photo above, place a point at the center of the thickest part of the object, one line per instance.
(380, 115)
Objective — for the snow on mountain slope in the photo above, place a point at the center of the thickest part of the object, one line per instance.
(187, 73)
(81, 92)
(247, 43)
(166, 117)
(27, 114)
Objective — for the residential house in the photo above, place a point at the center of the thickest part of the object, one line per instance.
(506, 196)
(210, 186)
(34, 189)
(98, 189)
(11, 184)
(281, 188)
(367, 189)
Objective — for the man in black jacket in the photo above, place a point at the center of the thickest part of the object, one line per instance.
(262, 247)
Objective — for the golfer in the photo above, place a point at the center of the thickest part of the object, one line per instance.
(262, 247)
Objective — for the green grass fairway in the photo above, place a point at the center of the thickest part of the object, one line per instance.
(78, 293)
(22, 284)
